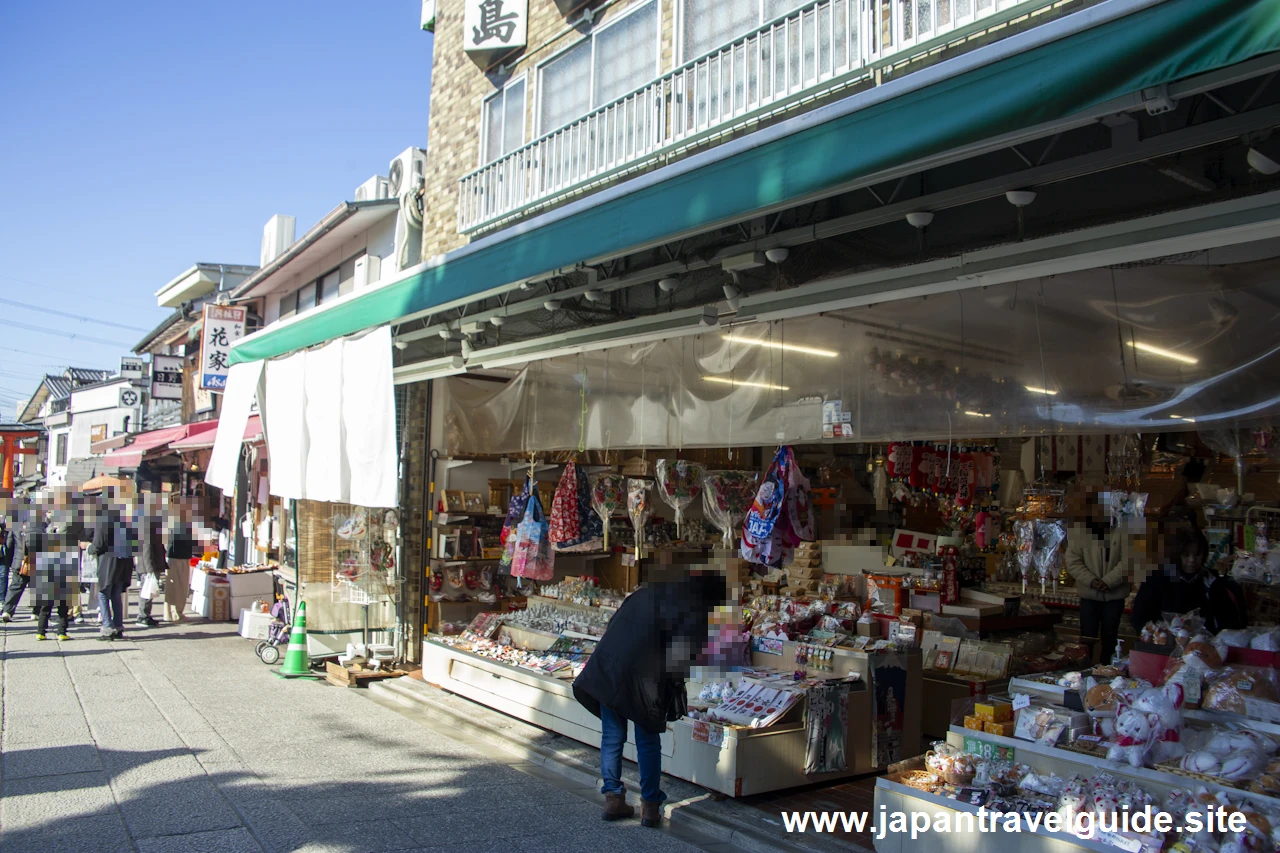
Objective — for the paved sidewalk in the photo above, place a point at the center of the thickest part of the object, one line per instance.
(178, 740)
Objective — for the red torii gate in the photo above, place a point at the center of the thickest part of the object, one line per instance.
(10, 435)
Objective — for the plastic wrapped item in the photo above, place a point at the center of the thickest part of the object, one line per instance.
(1249, 691)
(1237, 638)
(679, 484)
(639, 507)
(608, 496)
(1211, 651)
(727, 498)
(1266, 641)
(1024, 533)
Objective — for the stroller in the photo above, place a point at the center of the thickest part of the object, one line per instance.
(278, 634)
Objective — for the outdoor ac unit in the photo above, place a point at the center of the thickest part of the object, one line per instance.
(408, 171)
(368, 270)
(375, 188)
(277, 236)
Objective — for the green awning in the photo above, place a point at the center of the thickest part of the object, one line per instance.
(1164, 43)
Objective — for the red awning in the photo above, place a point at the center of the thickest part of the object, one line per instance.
(202, 434)
(131, 455)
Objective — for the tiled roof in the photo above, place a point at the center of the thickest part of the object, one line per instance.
(59, 386)
(83, 376)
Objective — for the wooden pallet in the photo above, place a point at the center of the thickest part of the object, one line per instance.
(340, 676)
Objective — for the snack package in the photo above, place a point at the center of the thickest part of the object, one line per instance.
(726, 499)
(1245, 690)
(639, 506)
(608, 496)
(679, 484)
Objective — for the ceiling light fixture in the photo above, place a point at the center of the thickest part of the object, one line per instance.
(919, 219)
(1163, 353)
(777, 254)
(666, 285)
(552, 305)
(497, 321)
(467, 348)
(1020, 198)
(401, 345)
(448, 335)
(733, 296)
(743, 383)
(596, 296)
(768, 344)
(977, 415)
(1034, 390)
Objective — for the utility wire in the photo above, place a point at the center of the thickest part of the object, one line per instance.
(80, 317)
(72, 335)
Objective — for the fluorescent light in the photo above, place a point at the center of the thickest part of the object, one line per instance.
(1164, 353)
(723, 381)
(1034, 390)
(977, 415)
(1181, 418)
(767, 344)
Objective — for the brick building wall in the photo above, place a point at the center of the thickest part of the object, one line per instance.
(459, 86)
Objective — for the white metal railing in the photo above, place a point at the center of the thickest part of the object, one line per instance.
(771, 68)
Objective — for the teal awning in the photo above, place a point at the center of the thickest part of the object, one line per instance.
(1164, 43)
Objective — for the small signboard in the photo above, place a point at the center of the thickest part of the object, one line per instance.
(166, 377)
(132, 368)
(223, 326)
(495, 26)
(986, 749)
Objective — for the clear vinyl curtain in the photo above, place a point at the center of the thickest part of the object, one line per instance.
(1141, 348)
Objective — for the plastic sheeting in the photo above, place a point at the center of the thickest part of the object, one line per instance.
(1166, 346)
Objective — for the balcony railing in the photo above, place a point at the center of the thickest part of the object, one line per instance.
(823, 45)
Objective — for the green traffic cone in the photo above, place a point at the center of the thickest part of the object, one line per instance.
(297, 663)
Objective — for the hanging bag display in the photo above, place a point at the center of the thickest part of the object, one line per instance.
(515, 512)
(574, 525)
(533, 557)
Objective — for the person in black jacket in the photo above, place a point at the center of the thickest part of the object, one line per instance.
(8, 551)
(113, 547)
(637, 673)
(1183, 584)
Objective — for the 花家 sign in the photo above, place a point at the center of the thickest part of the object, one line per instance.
(223, 326)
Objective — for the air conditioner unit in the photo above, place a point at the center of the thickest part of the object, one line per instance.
(277, 236)
(375, 188)
(408, 171)
(368, 270)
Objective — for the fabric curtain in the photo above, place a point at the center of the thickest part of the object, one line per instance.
(242, 387)
(285, 425)
(325, 470)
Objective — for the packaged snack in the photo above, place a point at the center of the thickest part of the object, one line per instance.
(1250, 691)
(993, 712)
(1005, 729)
(972, 722)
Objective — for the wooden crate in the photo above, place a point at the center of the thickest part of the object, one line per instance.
(340, 676)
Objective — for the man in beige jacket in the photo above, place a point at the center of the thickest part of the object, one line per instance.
(1100, 558)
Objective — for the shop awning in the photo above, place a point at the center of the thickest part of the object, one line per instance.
(203, 438)
(131, 455)
(1167, 42)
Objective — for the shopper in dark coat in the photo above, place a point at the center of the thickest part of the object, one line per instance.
(1183, 584)
(151, 565)
(637, 673)
(8, 554)
(112, 546)
(52, 548)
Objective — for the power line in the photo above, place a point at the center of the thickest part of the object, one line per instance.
(70, 335)
(79, 317)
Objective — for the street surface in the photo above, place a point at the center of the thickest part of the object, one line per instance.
(179, 740)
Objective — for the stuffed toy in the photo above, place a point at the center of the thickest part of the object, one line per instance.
(1134, 731)
(1165, 703)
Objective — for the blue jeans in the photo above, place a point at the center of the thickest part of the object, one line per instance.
(613, 737)
(111, 606)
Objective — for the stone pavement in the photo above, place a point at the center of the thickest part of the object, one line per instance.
(178, 740)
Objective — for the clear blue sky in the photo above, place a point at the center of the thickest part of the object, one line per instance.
(138, 138)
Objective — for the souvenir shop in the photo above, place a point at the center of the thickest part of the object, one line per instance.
(892, 493)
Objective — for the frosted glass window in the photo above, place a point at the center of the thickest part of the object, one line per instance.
(710, 24)
(564, 85)
(329, 287)
(504, 121)
(306, 297)
(626, 54)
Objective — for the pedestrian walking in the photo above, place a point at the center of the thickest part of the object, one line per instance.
(53, 549)
(112, 546)
(179, 551)
(8, 551)
(637, 673)
(20, 575)
(151, 564)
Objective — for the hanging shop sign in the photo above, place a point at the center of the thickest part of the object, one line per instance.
(132, 368)
(223, 326)
(495, 25)
(166, 377)
(130, 398)
(98, 432)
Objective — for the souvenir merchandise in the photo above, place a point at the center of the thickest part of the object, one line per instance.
(354, 526)
(567, 666)
(574, 526)
(551, 619)
(1049, 536)
(608, 497)
(826, 728)
(532, 555)
(679, 484)
(639, 506)
(1024, 532)
(781, 516)
(755, 706)
(515, 513)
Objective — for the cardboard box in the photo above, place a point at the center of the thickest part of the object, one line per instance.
(220, 602)
(915, 617)
(804, 572)
(993, 712)
(254, 626)
(1006, 729)
(975, 723)
(868, 629)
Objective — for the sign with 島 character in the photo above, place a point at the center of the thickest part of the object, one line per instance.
(492, 27)
(223, 326)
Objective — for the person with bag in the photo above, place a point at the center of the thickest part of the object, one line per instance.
(151, 564)
(112, 547)
(180, 550)
(20, 577)
(52, 552)
(637, 673)
(8, 551)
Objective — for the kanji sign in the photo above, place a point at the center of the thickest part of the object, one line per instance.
(223, 326)
(166, 377)
(495, 24)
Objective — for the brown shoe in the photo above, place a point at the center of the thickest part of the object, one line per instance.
(650, 813)
(616, 808)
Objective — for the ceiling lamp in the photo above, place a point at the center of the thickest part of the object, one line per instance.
(1034, 390)
(666, 285)
(1261, 163)
(596, 296)
(768, 344)
(920, 219)
(777, 254)
(742, 383)
(497, 321)
(552, 304)
(449, 335)
(733, 296)
(467, 348)
(1160, 352)
(1020, 198)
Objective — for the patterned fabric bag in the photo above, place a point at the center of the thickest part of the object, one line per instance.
(533, 557)
(574, 525)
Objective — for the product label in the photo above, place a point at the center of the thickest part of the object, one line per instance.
(1261, 709)
(1115, 839)
(1020, 701)
(986, 749)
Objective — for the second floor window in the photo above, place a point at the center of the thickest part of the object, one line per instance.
(61, 458)
(618, 58)
(503, 121)
(710, 24)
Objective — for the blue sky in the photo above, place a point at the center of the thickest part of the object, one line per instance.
(138, 138)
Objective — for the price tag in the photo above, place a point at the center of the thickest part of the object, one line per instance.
(1020, 701)
(988, 750)
(1123, 842)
